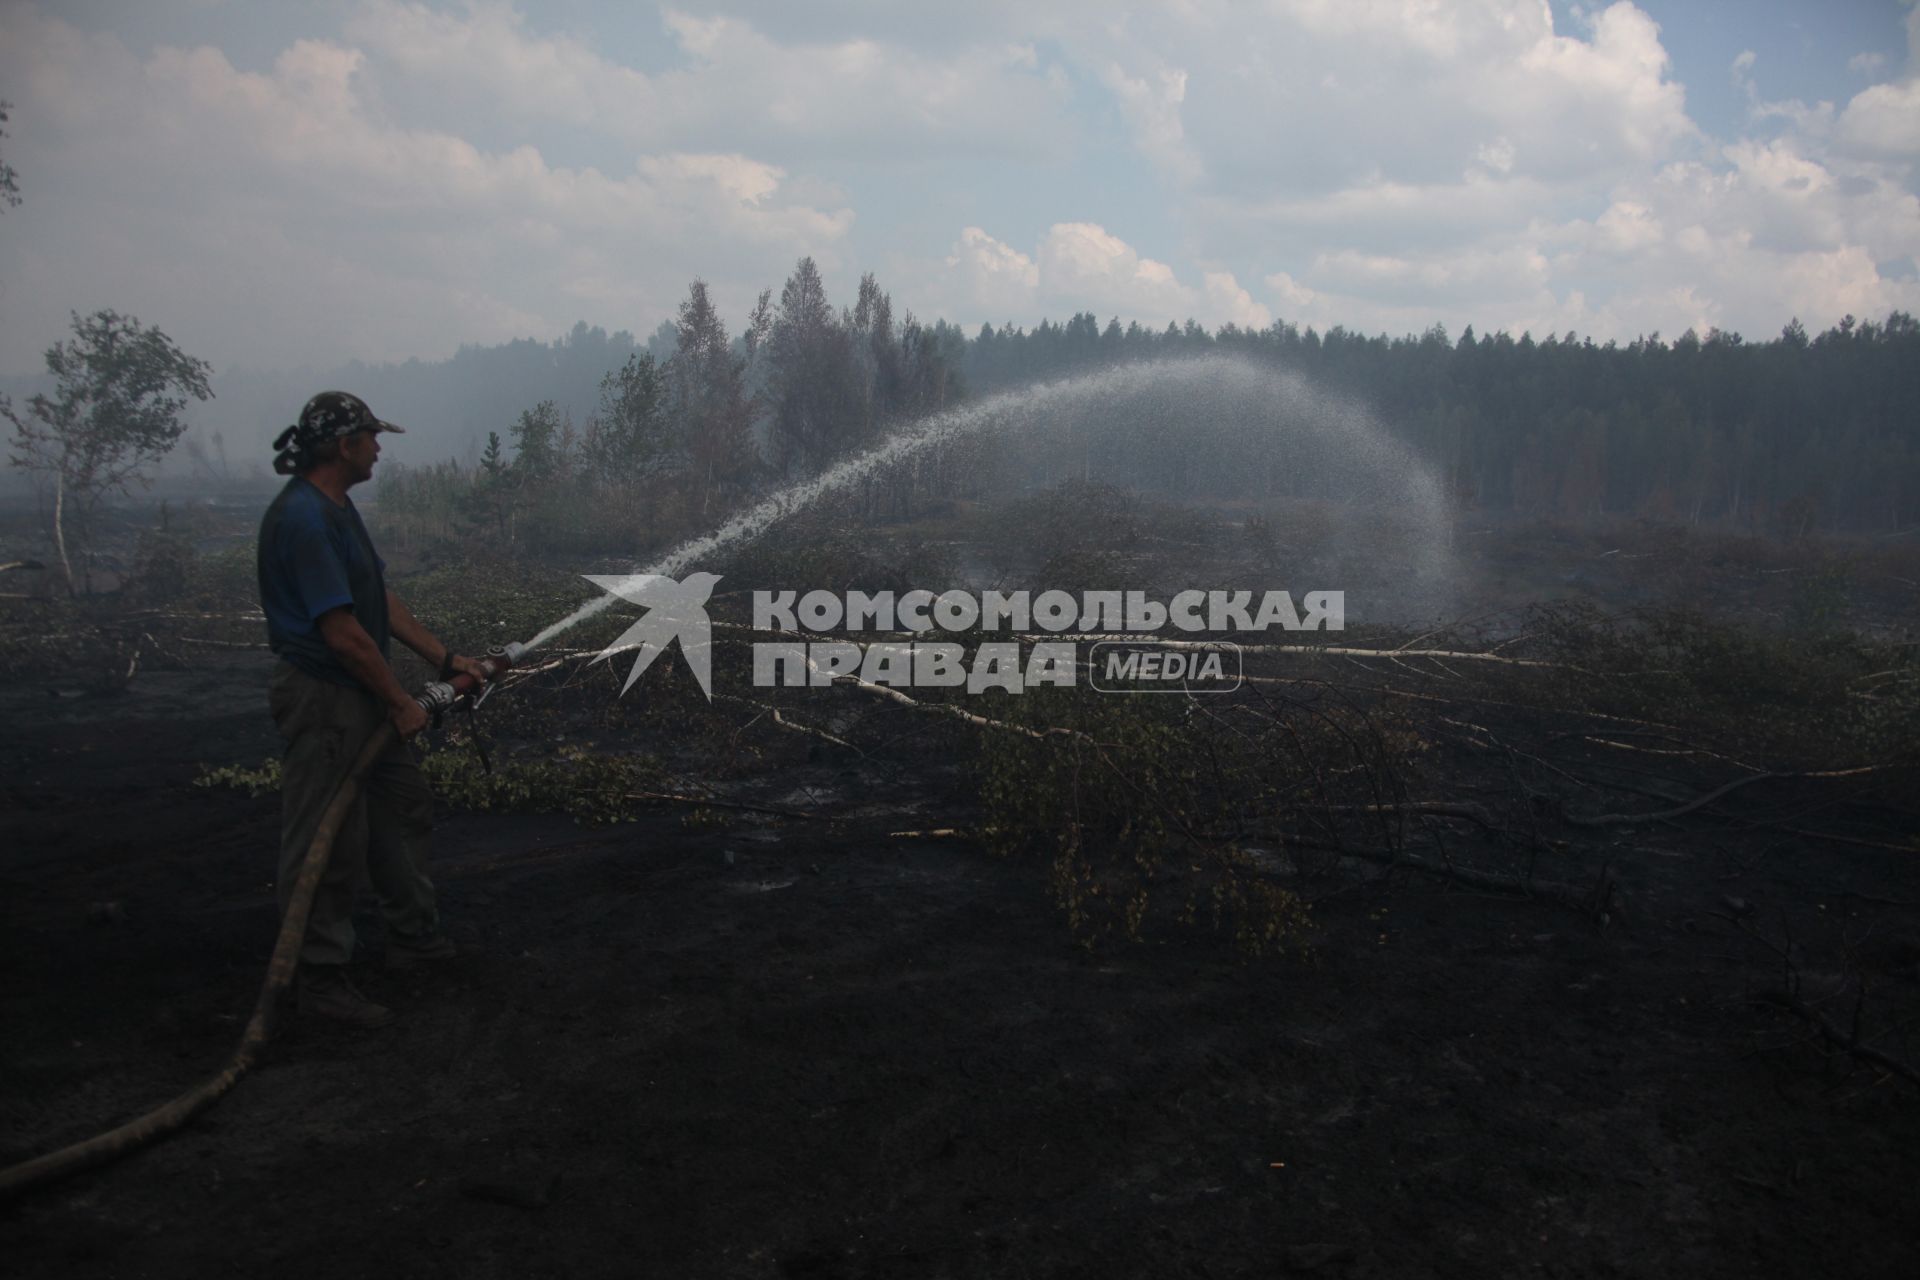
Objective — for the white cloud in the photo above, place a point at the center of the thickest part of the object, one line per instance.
(1080, 266)
(1882, 121)
(1454, 278)
(1082, 260)
(325, 230)
(1645, 228)
(1228, 303)
(990, 280)
(411, 176)
(736, 87)
(1293, 295)
(1311, 97)
(1627, 228)
(1151, 103)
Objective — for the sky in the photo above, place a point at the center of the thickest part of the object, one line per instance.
(296, 185)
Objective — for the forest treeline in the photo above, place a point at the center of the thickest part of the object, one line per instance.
(1787, 436)
(692, 425)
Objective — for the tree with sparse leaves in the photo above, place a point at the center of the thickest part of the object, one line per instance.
(630, 436)
(536, 444)
(119, 390)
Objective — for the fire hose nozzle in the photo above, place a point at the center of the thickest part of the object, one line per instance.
(500, 659)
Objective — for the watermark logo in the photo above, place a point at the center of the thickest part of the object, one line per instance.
(1044, 643)
(1045, 648)
(675, 611)
(1137, 666)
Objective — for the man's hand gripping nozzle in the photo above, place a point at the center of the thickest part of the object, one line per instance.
(500, 659)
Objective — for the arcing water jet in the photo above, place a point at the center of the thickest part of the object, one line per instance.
(1231, 407)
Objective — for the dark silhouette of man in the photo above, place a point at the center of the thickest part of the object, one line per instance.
(330, 617)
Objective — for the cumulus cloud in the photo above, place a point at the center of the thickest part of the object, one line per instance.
(1081, 266)
(989, 279)
(1652, 228)
(734, 85)
(324, 231)
(1321, 97)
(413, 175)
(1151, 102)
(1883, 121)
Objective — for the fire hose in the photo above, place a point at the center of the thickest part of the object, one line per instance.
(172, 1116)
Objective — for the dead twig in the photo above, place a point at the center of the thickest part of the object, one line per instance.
(1700, 802)
(222, 644)
(709, 802)
(1853, 840)
(1836, 1037)
(792, 726)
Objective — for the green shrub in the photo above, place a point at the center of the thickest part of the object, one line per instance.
(1136, 793)
(588, 786)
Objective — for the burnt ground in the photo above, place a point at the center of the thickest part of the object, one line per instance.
(811, 1048)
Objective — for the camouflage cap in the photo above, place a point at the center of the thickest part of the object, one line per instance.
(333, 415)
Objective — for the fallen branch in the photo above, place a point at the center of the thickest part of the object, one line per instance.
(792, 726)
(1700, 802)
(708, 802)
(223, 644)
(1391, 692)
(1471, 812)
(1853, 840)
(1838, 1038)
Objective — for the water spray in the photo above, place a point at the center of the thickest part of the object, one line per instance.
(1336, 442)
(1371, 460)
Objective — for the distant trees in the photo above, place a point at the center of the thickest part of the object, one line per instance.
(119, 390)
(494, 461)
(537, 453)
(1799, 433)
(816, 408)
(630, 436)
(687, 426)
(710, 399)
(836, 381)
(9, 180)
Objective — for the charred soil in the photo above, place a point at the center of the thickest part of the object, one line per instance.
(795, 1032)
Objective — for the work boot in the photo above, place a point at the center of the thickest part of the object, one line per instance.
(326, 990)
(406, 950)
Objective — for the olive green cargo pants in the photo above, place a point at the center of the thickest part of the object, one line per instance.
(384, 840)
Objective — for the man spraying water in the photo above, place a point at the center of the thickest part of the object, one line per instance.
(329, 618)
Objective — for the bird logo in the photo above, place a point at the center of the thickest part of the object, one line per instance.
(674, 610)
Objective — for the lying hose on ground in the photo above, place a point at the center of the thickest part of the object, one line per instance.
(174, 1115)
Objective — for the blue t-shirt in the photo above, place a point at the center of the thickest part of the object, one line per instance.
(315, 556)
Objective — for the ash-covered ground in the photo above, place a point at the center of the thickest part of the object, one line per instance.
(1421, 982)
